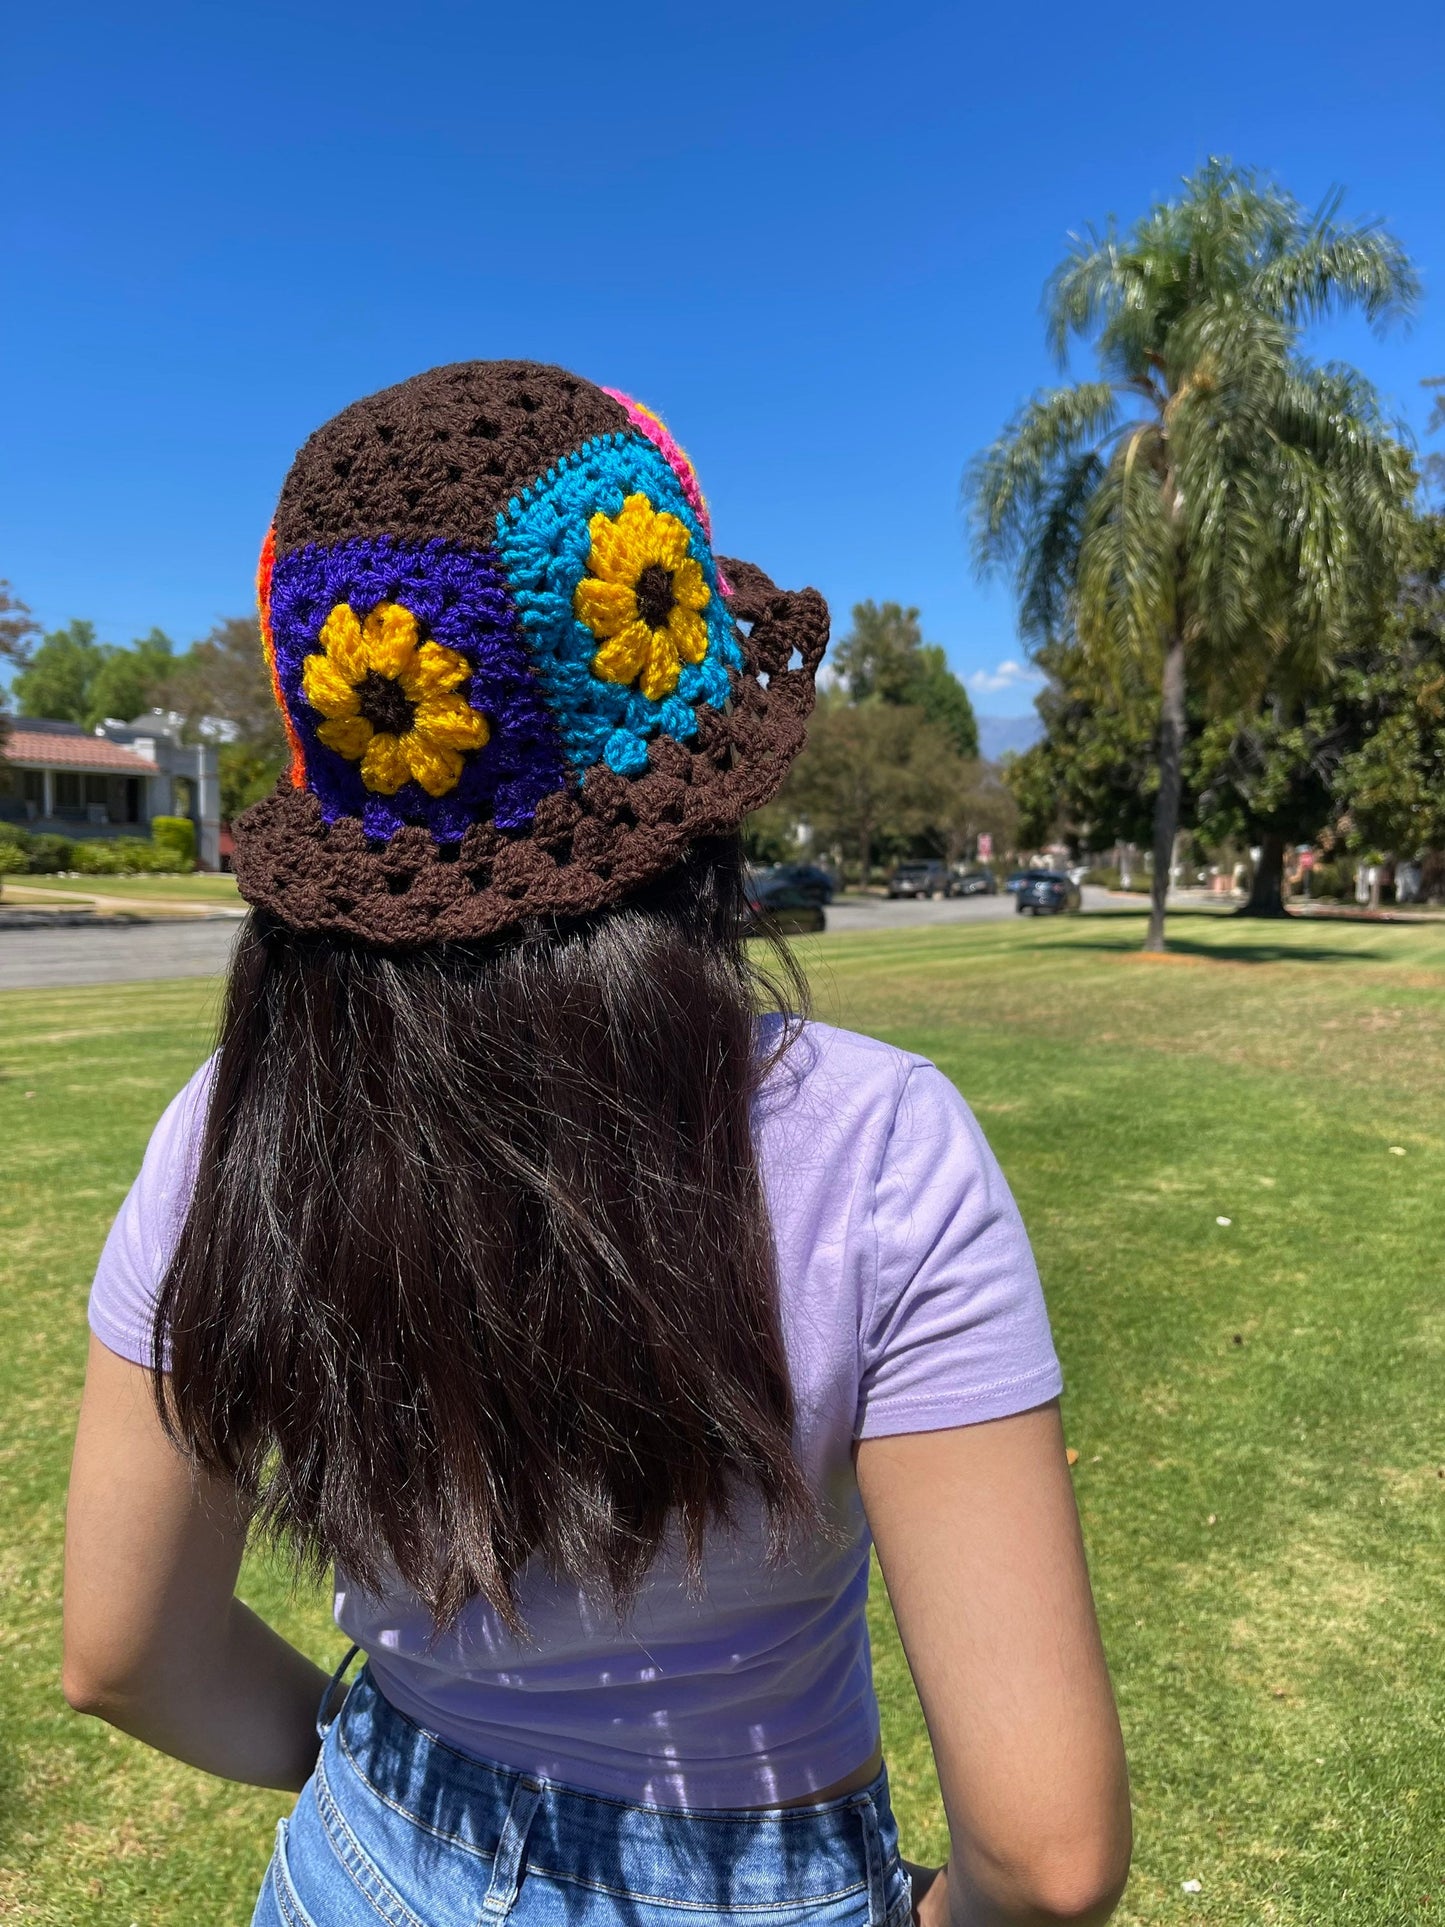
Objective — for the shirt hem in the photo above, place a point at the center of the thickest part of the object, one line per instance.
(698, 1786)
(937, 1413)
(120, 1339)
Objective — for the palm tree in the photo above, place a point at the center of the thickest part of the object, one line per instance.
(1215, 508)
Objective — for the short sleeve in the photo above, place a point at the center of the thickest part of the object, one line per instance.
(957, 1330)
(138, 1250)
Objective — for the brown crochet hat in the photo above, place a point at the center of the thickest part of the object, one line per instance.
(515, 679)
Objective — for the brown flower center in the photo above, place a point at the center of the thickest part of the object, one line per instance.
(656, 597)
(385, 704)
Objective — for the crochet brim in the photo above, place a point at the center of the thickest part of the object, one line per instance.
(590, 845)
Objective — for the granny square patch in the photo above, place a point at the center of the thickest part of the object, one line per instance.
(405, 674)
(618, 595)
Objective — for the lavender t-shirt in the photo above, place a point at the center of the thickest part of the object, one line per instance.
(910, 1302)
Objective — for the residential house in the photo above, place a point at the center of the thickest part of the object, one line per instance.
(59, 777)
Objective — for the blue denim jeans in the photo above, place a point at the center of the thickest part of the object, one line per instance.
(395, 1826)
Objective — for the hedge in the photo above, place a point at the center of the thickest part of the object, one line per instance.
(25, 852)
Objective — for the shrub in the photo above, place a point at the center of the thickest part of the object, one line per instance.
(46, 854)
(121, 856)
(1333, 881)
(176, 835)
(13, 860)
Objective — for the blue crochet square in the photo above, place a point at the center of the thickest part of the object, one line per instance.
(543, 541)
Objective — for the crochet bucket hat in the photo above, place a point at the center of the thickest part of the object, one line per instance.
(515, 679)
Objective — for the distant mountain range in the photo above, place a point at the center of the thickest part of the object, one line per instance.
(998, 735)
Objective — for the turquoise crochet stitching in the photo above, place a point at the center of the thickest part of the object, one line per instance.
(544, 540)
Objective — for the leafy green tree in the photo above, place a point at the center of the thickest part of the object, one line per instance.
(225, 675)
(60, 674)
(1214, 512)
(849, 782)
(880, 777)
(246, 775)
(1091, 779)
(1267, 780)
(1390, 784)
(956, 799)
(128, 682)
(72, 678)
(884, 658)
(1434, 465)
(17, 626)
(1361, 762)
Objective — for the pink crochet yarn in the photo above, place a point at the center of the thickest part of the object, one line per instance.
(648, 424)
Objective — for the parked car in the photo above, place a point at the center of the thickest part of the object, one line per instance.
(975, 883)
(1046, 893)
(811, 878)
(787, 907)
(925, 879)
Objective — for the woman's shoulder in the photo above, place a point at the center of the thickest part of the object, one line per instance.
(143, 1236)
(843, 1104)
(170, 1158)
(820, 1068)
(888, 1201)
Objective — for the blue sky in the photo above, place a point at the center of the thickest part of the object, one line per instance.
(812, 236)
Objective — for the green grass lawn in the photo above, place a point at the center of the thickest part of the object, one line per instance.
(1257, 1406)
(200, 887)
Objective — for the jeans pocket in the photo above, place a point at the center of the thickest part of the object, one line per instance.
(900, 1897)
(279, 1904)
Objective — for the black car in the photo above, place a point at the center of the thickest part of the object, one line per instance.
(790, 908)
(810, 878)
(923, 879)
(1047, 893)
(975, 883)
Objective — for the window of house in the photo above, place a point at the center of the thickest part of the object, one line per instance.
(69, 791)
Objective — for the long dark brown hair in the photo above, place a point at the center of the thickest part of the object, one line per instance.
(477, 1265)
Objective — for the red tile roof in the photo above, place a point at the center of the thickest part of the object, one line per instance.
(39, 749)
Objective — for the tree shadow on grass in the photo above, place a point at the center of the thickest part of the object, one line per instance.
(1235, 950)
(1260, 953)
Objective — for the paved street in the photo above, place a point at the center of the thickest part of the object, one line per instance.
(877, 913)
(117, 953)
(136, 952)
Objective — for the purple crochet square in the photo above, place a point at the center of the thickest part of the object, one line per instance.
(459, 597)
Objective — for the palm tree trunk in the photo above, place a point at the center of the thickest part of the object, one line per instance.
(1266, 890)
(1166, 803)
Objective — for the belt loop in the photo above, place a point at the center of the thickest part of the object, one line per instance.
(324, 1725)
(507, 1861)
(867, 1812)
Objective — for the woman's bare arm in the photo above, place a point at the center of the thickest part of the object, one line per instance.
(155, 1640)
(978, 1538)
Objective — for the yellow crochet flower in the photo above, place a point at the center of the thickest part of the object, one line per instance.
(642, 598)
(390, 700)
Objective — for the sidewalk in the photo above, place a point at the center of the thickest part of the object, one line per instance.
(67, 907)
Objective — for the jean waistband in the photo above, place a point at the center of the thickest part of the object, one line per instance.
(717, 1859)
